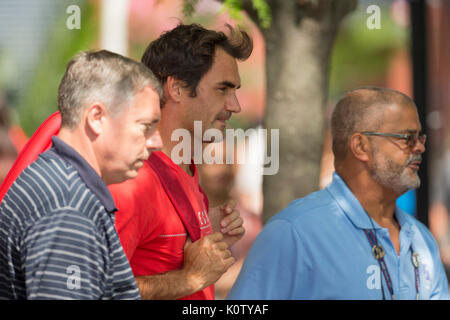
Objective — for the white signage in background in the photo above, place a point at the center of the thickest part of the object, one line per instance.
(114, 26)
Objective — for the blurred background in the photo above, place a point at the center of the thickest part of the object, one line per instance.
(405, 47)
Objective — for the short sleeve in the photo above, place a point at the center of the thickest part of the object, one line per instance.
(64, 257)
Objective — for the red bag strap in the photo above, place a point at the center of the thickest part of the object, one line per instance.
(178, 197)
(39, 142)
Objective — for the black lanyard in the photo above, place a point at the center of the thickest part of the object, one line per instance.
(378, 253)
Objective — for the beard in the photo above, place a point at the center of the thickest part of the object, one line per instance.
(395, 176)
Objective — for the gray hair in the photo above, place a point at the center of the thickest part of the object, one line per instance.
(360, 110)
(101, 76)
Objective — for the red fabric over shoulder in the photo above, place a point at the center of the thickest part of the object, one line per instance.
(39, 142)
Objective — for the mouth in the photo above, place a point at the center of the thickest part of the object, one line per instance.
(222, 123)
(224, 118)
(414, 165)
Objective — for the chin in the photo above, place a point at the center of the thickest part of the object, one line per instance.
(132, 174)
(406, 186)
(128, 176)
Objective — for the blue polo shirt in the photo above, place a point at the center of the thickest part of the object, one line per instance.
(316, 248)
(57, 234)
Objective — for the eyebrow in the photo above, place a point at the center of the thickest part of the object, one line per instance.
(145, 122)
(228, 84)
(156, 120)
(411, 131)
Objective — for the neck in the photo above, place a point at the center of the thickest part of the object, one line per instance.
(81, 144)
(167, 126)
(377, 201)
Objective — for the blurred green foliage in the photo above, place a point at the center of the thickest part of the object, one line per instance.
(361, 55)
(40, 100)
(234, 9)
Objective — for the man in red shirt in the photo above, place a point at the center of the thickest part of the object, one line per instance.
(176, 245)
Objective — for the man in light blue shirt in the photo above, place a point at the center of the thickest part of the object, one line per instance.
(350, 241)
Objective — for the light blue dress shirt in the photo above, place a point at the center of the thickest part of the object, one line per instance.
(316, 248)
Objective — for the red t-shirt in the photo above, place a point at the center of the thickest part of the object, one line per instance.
(151, 232)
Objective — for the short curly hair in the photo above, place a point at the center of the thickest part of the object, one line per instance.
(187, 52)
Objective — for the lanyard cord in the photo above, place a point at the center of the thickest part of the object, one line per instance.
(378, 253)
(416, 263)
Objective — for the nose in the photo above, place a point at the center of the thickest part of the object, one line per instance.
(233, 104)
(154, 142)
(420, 146)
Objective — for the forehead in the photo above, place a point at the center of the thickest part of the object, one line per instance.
(145, 104)
(224, 68)
(400, 118)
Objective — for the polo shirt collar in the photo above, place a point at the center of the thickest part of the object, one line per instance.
(353, 208)
(93, 181)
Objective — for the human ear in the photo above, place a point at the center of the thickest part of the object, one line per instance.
(174, 88)
(360, 147)
(95, 117)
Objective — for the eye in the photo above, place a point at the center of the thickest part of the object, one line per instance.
(410, 138)
(147, 128)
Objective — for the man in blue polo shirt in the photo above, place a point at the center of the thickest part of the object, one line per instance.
(350, 241)
(57, 235)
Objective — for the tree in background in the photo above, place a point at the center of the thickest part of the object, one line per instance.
(299, 36)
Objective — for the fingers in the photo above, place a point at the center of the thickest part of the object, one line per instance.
(207, 259)
(221, 245)
(229, 206)
(215, 237)
(228, 262)
(226, 256)
(231, 222)
(236, 231)
(221, 249)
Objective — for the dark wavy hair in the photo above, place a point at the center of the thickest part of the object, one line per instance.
(187, 51)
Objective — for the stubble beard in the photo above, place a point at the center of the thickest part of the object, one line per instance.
(394, 176)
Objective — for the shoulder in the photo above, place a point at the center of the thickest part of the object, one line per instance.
(64, 225)
(47, 166)
(302, 212)
(421, 228)
(45, 184)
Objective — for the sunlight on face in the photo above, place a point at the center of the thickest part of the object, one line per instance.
(131, 137)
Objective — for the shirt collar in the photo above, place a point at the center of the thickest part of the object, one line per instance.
(353, 208)
(86, 172)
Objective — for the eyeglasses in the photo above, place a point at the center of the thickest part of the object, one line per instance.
(410, 138)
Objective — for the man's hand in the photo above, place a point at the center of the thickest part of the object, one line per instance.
(227, 220)
(205, 260)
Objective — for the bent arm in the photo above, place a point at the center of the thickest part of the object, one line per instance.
(168, 286)
(205, 261)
